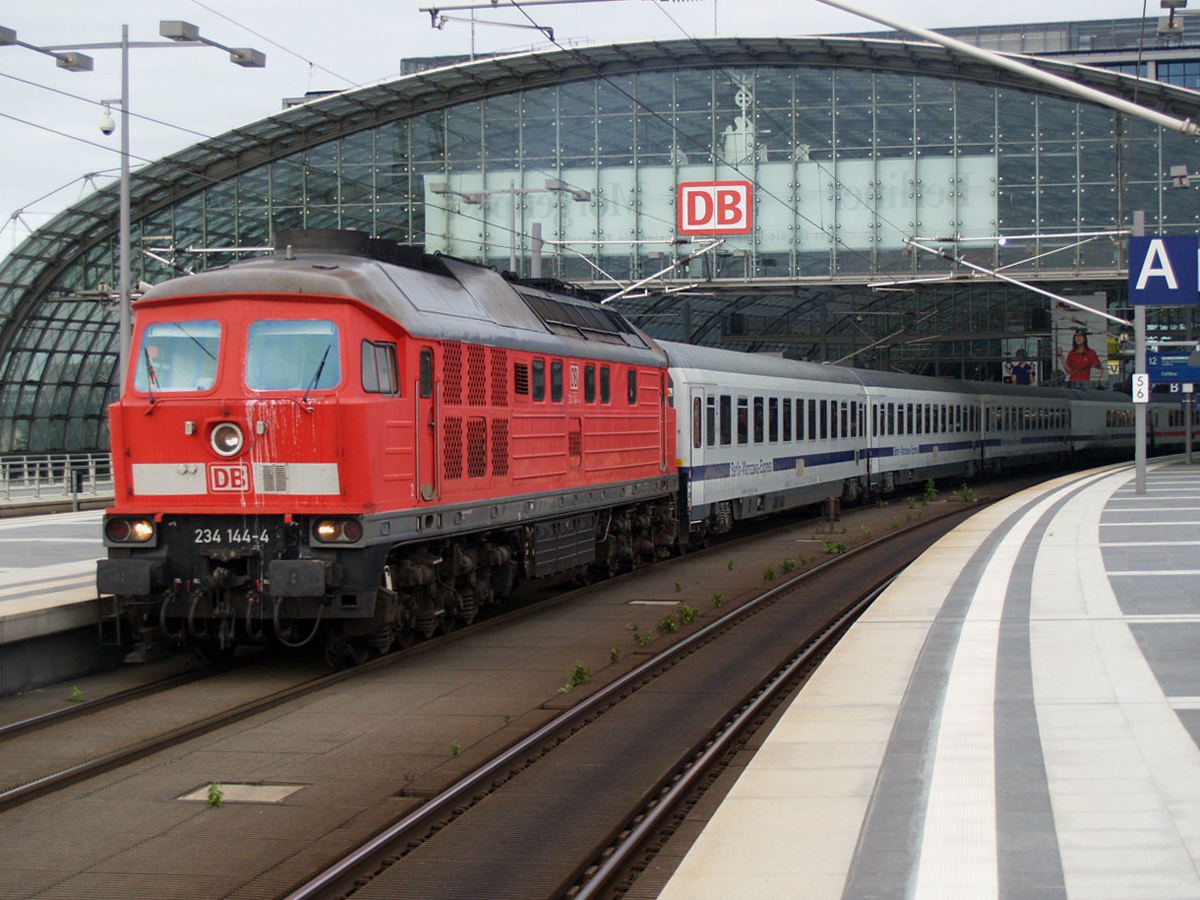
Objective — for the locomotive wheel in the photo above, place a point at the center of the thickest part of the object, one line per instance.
(342, 652)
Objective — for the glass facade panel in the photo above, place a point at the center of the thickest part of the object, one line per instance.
(845, 164)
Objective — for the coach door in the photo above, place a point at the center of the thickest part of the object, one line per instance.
(427, 428)
(691, 438)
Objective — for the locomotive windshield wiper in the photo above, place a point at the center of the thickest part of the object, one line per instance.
(196, 341)
(151, 378)
(316, 377)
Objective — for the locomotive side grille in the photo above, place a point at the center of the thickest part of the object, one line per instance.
(520, 378)
(499, 377)
(575, 445)
(452, 373)
(500, 446)
(476, 448)
(452, 461)
(476, 375)
(274, 478)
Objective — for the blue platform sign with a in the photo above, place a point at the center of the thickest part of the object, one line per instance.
(1163, 271)
(1171, 368)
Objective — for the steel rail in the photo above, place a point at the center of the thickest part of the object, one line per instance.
(462, 792)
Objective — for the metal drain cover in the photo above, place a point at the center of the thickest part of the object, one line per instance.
(245, 793)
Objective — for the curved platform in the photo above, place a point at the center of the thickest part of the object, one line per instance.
(1017, 716)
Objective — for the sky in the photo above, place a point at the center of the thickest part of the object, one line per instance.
(53, 152)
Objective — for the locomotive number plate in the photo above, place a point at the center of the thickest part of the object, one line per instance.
(226, 536)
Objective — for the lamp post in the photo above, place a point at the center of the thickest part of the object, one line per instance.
(180, 34)
(475, 198)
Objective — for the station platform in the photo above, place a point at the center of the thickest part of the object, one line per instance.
(48, 609)
(1017, 716)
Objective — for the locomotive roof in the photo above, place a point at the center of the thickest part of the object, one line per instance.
(693, 357)
(435, 297)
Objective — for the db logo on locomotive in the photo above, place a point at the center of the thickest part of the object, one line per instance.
(228, 477)
(716, 207)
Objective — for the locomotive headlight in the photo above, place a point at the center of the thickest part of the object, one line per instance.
(338, 531)
(227, 439)
(129, 531)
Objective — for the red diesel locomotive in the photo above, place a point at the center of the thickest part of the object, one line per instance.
(356, 442)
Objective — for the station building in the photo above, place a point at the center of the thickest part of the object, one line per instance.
(813, 160)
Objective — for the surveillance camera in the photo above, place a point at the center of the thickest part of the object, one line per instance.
(107, 125)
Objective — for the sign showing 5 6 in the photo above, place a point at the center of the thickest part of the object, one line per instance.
(1141, 388)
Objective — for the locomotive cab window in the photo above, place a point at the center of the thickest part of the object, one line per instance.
(379, 368)
(633, 387)
(605, 390)
(293, 355)
(589, 384)
(178, 356)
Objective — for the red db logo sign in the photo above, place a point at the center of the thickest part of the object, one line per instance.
(716, 207)
(228, 477)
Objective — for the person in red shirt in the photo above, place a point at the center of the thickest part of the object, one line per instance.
(1082, 359)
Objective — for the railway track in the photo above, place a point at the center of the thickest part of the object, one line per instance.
(570, 810)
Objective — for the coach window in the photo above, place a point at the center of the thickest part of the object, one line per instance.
(824, 428)
(379, 368)
(787, 420)
(710, 423)
(556, 380)
(633, 387)
(833, 419)
(697, 422)
(743, 420)
(773, 419)
(812, 420)
(726, 420)
(589, 384)
(426, 373)
(758, 420)
(605, 393)
(539, 379)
